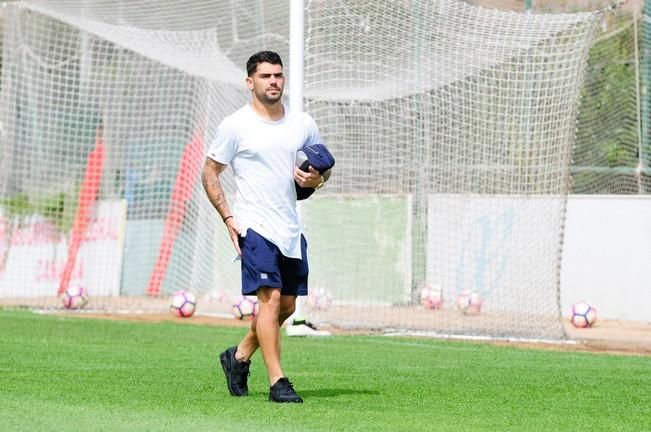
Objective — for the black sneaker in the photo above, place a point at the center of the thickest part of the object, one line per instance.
(237, 372)
(283, 391)
(304, 322)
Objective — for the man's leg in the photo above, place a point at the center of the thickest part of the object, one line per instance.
(281, 389)
(264, 332)
(236, 360)
(250, 343)
(268, 328)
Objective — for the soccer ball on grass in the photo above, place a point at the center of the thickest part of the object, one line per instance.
(245, 307)
(469, 302)
(75, 297)
(583, 315)
(319, 299)
(183, 304)
(430, 297)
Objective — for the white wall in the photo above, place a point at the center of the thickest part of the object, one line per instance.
(38, 253)
(607, 255)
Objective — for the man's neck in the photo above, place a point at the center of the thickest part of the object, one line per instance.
(273, 112)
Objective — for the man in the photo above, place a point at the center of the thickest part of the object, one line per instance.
(260, 141)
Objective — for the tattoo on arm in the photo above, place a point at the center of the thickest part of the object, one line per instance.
(211, 184)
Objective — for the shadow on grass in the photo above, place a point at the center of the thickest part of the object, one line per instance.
(332, 392)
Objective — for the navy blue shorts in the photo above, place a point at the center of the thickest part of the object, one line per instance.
(263, 265)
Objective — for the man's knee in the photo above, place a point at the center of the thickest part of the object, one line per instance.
(286, 312)
(271, 296)
(287, 307)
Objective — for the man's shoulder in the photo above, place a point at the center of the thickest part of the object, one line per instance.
(237, 120)
(304, 119)
(305, 116)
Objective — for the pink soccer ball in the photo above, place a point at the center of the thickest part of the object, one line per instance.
(583, 315)
(469, 302)
(75, 297)
(183, 304)
(245, 307)
(431, 298)
(319, 299)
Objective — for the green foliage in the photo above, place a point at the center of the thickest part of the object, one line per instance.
(16, 206)
(71, 374)
(56, 207)
(615, 153)
(607, 130)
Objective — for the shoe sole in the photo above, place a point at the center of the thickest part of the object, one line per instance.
(223, 359)
(285, 401)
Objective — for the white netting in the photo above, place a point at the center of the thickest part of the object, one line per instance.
(458, 127)
(452, 126)
(611, 145)
(612, 149)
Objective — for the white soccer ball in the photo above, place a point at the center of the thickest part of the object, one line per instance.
(430, 297)
(75, 297)
(319, 299)
(183, 304)
(469, 302)
(246, 307)
(583, 315)
(219, 296)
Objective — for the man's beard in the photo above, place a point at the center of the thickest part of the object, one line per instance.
(264, 97)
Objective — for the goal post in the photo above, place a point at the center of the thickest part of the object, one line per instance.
(452, 126)
(469, 115)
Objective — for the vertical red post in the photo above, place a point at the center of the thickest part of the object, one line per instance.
(181, 194)
(87, 197)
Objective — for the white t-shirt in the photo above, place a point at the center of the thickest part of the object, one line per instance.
(262, 154)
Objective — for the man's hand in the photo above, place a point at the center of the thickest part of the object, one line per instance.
(210, 180)
(309, 179)
(234, 233)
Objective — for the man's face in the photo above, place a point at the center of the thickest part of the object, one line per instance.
(267, 83)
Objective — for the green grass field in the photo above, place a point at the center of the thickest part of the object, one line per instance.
(76, 374)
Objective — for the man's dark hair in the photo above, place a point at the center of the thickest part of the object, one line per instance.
(262, 57)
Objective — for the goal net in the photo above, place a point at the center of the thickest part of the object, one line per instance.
(452, 126)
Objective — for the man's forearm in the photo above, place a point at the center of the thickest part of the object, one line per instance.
(214, 190)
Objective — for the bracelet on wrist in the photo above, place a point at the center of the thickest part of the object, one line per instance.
(227, 218)
(320, 185)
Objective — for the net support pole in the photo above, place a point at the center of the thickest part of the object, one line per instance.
(644, 90)
(296, 56)
(296, 77)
